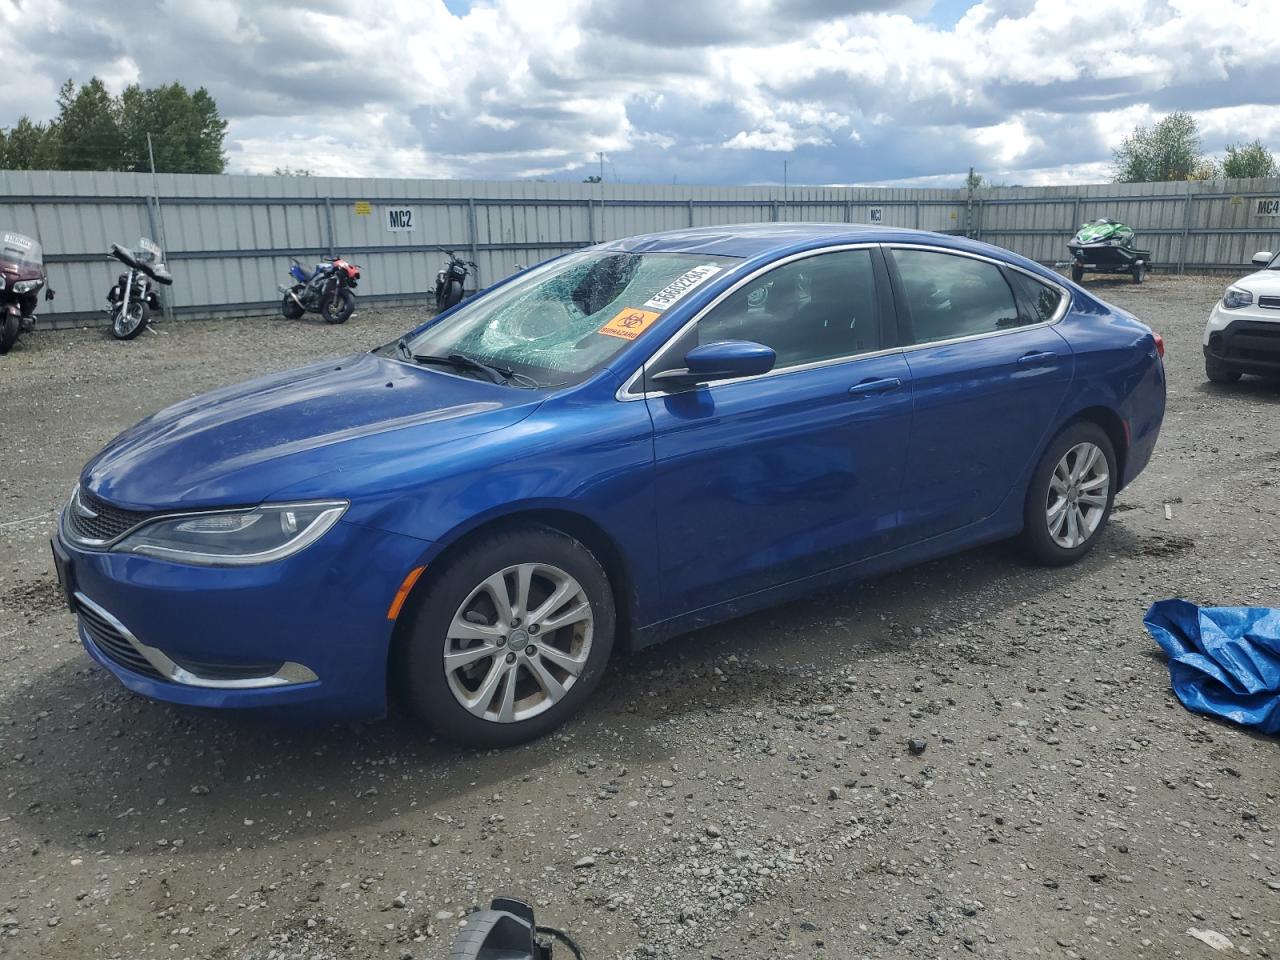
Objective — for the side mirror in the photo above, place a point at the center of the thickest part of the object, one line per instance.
(723, 360)
(1261, 258)
(506, 931)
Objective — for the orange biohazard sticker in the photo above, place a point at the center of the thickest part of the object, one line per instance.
(630, 323)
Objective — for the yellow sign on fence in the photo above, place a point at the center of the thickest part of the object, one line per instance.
(363, 208)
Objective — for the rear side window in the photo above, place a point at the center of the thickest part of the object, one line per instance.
(1039, 298)
(949, 296)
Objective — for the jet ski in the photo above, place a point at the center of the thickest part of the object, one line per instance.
(1106, 246)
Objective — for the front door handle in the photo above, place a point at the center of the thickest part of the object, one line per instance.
(875, 385)
(1037, 358)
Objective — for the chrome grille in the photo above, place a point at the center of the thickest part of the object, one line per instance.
(1270, 303)
(114, 645)
(107, 521)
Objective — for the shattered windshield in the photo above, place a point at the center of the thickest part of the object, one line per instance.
(20, 249)
(562, 321)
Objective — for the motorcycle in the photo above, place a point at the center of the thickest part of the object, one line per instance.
(451, 281)
(22, 275)
(133, 297)
(326, 290)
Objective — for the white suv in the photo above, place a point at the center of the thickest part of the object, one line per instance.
(1243, 332)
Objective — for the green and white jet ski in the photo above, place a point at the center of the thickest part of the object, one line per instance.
(1106, 246)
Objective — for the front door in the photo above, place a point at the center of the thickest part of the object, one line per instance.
(773, 478)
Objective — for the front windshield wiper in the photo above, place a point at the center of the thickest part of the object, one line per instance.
(460, 361)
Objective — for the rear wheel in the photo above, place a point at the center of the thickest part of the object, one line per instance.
(1070, 496)
(1219, 372)
(10, 328)
(1077, 272)
(1139, 273)
(290, 308)
(510, 640)
(127, 320)
(339, 307)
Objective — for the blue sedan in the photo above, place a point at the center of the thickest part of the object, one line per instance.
(617, 446)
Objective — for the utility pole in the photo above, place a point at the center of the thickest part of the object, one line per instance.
(164, 241)
(784, 184)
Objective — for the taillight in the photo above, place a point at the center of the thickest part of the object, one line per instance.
(1159, 344)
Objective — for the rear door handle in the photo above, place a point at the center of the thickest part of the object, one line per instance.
(877, 385)
(1037, 358)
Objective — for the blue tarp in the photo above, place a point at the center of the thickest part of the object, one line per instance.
(1223, 661)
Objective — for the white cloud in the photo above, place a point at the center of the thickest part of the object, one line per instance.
(695, 90)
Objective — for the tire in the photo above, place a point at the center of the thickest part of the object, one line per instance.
(10, 329)
(339, 307)
(458, 601)
(1219, 372)
(128, 321)
(290, 309)
(1139, 273)
(1077, 272)
(1055, 547)
(450, 295)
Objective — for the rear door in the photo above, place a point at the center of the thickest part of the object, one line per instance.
(773, 478)
(988, 374)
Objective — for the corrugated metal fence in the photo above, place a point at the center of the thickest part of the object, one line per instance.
(228, 238)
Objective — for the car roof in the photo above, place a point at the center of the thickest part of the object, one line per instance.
(767, 240)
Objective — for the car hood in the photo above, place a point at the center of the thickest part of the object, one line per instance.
(240, 444)
(1264, 283)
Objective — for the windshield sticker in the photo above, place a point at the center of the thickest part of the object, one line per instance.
(630, 323)
(17, 241)
(681, 285)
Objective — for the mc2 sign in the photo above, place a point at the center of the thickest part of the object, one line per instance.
(399, 219)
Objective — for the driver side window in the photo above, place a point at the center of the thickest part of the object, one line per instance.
(819, 308)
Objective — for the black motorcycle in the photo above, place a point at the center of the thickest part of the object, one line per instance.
(451, 281)
(133, 298)
(326, 290)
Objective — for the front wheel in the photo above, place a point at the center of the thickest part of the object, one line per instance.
(1070, 496)
(127, 320)
(1077, 272)
(1139, 273)
(339, 307)
(1219, 372)
(449, 295)
(510, 639)
(10, 329)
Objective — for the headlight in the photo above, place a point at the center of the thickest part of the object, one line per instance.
(26, 286)
(236, 537)
(1235, 298)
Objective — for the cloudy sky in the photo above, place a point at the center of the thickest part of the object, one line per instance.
(688, 91)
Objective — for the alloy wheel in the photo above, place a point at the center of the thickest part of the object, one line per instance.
(1078, 492)
(518, 643)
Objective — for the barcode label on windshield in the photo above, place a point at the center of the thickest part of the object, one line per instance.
(681, 285)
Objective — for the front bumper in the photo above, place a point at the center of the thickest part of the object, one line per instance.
(310, 630)
(1248, 343)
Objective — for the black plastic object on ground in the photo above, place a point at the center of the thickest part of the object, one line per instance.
(506, 931)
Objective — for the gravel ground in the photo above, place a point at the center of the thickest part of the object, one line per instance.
(743, 792)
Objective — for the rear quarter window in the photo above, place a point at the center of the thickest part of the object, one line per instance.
(1041, 300)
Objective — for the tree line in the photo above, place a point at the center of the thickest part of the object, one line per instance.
(97, 131)
(1171, 149)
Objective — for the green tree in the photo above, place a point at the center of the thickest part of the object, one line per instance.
(292, 172)
(1168, 150)
(88, 127)
(28, 146)
(187, 133)
(1249, 160)
(96, 131)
